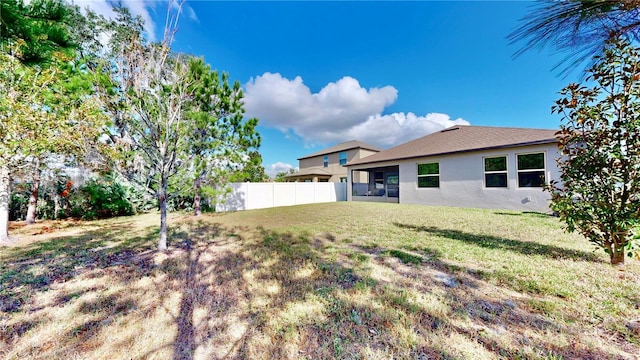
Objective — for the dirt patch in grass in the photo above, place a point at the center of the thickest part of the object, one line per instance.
(294, 283)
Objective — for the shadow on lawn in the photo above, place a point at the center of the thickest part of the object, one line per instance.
(227, 277)
(493, 317)
(35, 267)
(494, 242)
(238, 289)
(526, 214)
(217, 282)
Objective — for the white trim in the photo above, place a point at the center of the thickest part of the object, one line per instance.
(485, 172)
(544, 169)
(427, 175)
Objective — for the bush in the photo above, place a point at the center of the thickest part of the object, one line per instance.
(99, 199)
(18, 205)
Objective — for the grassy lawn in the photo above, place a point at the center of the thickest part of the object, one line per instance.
(339, 280)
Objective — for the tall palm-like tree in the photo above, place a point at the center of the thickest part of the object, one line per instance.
(577, 28)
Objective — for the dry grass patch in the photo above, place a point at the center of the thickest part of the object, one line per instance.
(342, 280)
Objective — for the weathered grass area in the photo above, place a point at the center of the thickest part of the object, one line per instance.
(340, 280)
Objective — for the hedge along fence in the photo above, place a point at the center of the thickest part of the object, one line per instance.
(247, 196)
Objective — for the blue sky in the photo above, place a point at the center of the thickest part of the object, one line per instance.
(319, 73)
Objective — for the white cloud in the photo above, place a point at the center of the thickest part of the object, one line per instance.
(191, 13)
(397, 128)
(273, 169)
(340, 111)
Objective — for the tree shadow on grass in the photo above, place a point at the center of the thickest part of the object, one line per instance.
(526, 214)
(492, 316)
(248, 293)
(257, 293)
(120, 252)
(494, 242)
(252, 288)
(36, 267)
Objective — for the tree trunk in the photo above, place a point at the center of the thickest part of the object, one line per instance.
(33, 198)
(196, 198)
(162, 200)
(4, 203)
(56, 204)
(616, 251)
(617, 258)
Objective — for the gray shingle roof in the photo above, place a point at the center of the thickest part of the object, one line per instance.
(461, 139)
(353, 144)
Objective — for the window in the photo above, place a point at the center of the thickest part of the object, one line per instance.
(326, 161)
(343, 179)
(495, 171)
(343, 158)
(531, 170)
(429, 175)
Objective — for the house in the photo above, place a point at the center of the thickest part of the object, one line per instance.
(328, 165)
(466, 166)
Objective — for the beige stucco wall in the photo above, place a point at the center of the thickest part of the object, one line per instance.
(334, 167)
(462, 181)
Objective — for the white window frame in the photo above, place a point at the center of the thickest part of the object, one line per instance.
(485, 172)
(325, 161)
(543, 170)
(427, 175)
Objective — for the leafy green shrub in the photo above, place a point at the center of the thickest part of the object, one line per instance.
(99, 199)
(18, 205)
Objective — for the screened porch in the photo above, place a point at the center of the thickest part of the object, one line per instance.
(376, 184)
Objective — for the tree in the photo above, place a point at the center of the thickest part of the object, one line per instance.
(45, 91)
(253, 171)
(156, 90)
(43, 111)
(578, 28)
(220, 139)
(34, 31)
(280, 177)
(179, 120)
(599, 192)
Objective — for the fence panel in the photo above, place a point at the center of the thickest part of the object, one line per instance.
(246, 196)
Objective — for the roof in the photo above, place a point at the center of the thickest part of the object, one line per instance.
(462, 138)
(353, 144)
(315, 170)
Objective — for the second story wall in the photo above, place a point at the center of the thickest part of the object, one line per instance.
(334, 163)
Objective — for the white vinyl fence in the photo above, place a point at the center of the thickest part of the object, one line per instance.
(247, 196)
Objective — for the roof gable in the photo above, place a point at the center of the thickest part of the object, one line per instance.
(353, 144)
(462, 138)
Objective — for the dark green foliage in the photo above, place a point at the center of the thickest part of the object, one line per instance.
(33, 31)
(222, 143)
(18, 205)
(252, 171)
(578, 28)
(99, 199)
(599, 192)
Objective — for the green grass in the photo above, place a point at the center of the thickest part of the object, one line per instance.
(339, 280)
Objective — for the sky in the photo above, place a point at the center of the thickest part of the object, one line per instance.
(319, 73)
